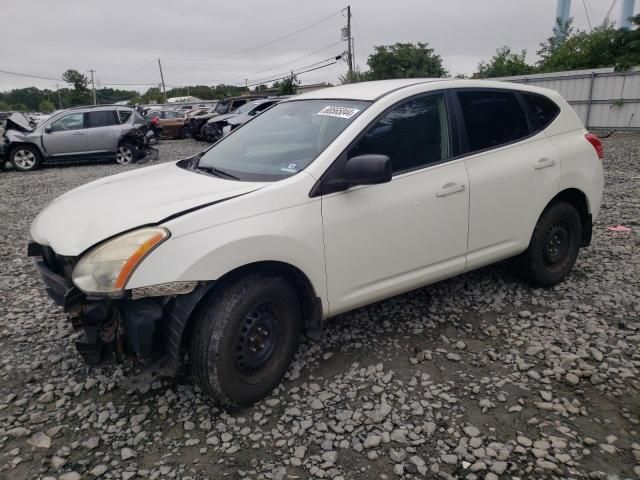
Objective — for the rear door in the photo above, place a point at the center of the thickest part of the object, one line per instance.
(103, 129)
(513, 172)
(172, 122)
(66, 135)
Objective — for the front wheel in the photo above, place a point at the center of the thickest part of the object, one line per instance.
(554, 246)
(244, 339)
(126, 153)
(25, 158)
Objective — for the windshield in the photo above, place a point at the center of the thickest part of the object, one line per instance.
(247, 107)
(282, 141)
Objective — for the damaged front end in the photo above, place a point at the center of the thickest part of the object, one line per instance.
(144, 323)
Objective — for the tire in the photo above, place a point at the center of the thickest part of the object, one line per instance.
(213, 135)
(244, 339)
(126, 153)
(554, 246)
(184, 133)
(25, 158)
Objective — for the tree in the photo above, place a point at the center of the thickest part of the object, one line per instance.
(504, 63)
(4, 106)
(405, 60)
(574, 50)
(354, 77)
(289, 85)
(80, 93)
(46, 106)
(627, 46)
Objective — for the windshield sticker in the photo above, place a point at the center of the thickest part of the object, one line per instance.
(291, 168)
(338, 112)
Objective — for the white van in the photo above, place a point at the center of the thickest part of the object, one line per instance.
(326, 202)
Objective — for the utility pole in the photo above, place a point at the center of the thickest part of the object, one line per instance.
(59, 99)
(93, 87)
(349, 38)
(164, 91)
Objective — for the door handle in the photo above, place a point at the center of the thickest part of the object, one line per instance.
(449, 189)
(79, 133)
(544, 163)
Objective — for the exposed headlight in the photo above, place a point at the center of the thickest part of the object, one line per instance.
(107, 268)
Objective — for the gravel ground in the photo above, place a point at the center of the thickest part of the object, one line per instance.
(476, 377)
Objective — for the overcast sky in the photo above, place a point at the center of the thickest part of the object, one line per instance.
(121, 39)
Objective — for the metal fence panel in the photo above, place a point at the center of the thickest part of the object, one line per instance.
(602, 98)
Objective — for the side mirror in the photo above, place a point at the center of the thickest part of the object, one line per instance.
(48, 130)
(368, 169)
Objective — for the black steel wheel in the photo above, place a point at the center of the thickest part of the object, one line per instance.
(244, 339)
(554, 246)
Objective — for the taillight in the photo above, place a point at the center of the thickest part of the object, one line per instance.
(593, 139)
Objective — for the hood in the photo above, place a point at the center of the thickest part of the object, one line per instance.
(18, 121)
(221, 118)
(98, 210)
(240, 119)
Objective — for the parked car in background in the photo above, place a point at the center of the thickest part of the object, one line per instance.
(196, 124)
(322, 204)
(221, 125)
(172, 122)
(103, 132)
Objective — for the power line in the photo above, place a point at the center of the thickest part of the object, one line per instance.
(263, 79)
(295, 73)
(31, 76)
(266, 44)
(584, 4)
(297, 59)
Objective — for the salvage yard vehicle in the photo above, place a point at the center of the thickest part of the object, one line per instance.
(221, 125)
(195, 125)
(102, 132)
(322, 204)
(171, 122)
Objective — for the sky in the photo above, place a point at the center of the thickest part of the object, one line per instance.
(208, 42)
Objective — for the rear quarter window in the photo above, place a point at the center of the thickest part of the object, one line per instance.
(543, 109)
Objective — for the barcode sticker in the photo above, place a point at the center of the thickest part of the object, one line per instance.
(338, 112)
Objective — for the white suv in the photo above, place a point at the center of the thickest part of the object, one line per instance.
(324, 203)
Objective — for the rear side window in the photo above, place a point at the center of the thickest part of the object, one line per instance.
(492, 118)
(414, 134)
(103, 118)
(543, 109)
(124, 115)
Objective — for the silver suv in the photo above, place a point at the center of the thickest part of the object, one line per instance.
(104, 132)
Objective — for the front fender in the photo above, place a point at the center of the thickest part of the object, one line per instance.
(292, 236)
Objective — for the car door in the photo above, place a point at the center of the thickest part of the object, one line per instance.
(381, 240)
(513, 173)
(172, 122)
(103, 131)
(66, 135)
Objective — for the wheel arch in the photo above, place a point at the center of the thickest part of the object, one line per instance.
(14, 145)
(181, 313)
(579, 200)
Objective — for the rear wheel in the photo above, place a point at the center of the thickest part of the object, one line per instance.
(126, 153)
(25, 158)
(244, 339)
(554, 246)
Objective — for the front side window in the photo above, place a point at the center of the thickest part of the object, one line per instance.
(413, 135)
(492, 118)
(104, 118)
(282, 141)
(72, 121)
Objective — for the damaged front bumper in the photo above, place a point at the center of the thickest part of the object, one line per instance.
(145, 323)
